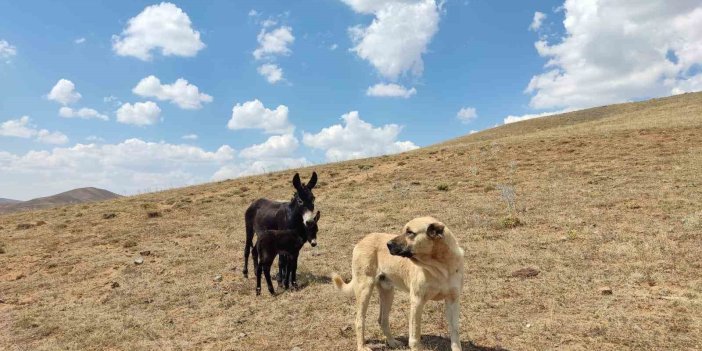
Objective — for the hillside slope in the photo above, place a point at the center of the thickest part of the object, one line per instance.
(4, 201)
(74, 196)
(607, 197)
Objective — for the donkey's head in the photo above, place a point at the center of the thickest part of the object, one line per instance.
(303, 200)
(311, 229)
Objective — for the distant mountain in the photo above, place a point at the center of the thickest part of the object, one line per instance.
(4, 201)
(74, 196)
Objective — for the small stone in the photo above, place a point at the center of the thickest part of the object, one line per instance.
(218, 278)
(115, 285)
(345, 331)
(528, 325)
(138, 260)
(605, 290)
(527, 272)
(145, 253)
(296, 348)
(242, 335)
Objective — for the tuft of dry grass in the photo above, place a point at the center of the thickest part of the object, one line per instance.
(608, 197)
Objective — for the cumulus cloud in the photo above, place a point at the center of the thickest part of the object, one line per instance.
(185, 95)
(130, 166)
(47, 137)
(140, 114)
(390, 90)
(253, 115)
(620, 50)
(163, 27)
(79, 41)
(64, 92)
(467, 114)
(272, 72)
(538, 20)
(259, 167)
(190, 137)
(274, 43)
(398, 36)
(7, 51)
(84, 113)
(511, 119)
(23, 128)
(276, 146)
(357, 139)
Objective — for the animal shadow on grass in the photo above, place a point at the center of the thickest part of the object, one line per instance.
(433, 342)
(307, 279)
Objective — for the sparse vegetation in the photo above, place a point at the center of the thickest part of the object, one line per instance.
(58, 287)
(442, 187)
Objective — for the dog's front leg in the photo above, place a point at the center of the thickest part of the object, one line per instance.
(453, 312)
(415, 322)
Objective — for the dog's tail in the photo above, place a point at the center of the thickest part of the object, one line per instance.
(346, 288)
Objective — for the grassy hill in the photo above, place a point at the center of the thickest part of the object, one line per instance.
(606, 197)
(74, 196)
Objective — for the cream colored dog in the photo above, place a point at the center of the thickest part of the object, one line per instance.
(425, 260)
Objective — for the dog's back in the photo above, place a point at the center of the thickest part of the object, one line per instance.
(372, 262)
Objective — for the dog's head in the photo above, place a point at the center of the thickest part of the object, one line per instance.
(420, 236)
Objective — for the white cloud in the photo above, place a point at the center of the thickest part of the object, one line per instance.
(538, 20)
(276, 146)
(127, 167)
(22, 128)
(84, 113)
(7, 51)
(163, 26)
(185, 95)
(253, 13)
(356, 139)
(140, 114)
(253, 115)
(259, 167)
(272, 72)
(390, 90)
(333, 47)
(19, 128)
(467, 114)
(64, 92)
(274, 43)
(620, 50)
(511, 119)
(189, 137)
(48, 137)
(95, 138)
(79, 41)
(398, 36)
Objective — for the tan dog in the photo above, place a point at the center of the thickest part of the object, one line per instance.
(425, 260)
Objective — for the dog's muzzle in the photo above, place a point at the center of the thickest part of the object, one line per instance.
(397, 250)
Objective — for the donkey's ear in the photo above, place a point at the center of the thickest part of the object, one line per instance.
(436, 230)
(316, 217)
(313, 181)
(296, 182)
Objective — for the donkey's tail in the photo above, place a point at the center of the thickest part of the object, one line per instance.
(346, 288)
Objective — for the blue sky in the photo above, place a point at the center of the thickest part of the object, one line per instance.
(493, 59)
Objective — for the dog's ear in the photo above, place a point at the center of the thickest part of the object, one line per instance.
(313, 181)
(436, 230)
(316, 218)
(296, 182)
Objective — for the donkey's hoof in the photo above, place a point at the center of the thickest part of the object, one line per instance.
(295, 287)
(246, 273)
(258, 291)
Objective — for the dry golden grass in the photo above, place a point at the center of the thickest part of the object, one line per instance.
(605, 197)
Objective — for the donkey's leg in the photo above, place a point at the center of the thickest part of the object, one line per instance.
(258, 278)
(249, 243)
(293, 270)
(267, 271)
(254, 253)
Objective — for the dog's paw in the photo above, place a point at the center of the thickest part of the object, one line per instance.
(394, 343)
